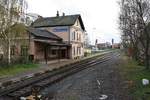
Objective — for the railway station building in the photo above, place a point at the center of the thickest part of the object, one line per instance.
(59, 37)
(49, 38)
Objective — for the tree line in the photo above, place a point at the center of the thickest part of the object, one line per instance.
(10, 26)
(134, 22)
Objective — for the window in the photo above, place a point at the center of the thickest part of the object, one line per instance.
(24, 50)
(5, 2)
(74, 35)
(53, 52)
(77, 36)
(74, 50)
(12, 50)
(21, 2)
(79, 50)
(22, 19)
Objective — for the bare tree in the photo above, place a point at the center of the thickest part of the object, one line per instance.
(134, 23)
(10, 28)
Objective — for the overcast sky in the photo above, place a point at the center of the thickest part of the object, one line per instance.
(100, 17)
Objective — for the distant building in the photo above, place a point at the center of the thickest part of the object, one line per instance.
(116, 46)
(103, 45)
(86, 40)
(92, 48)
(31, 17)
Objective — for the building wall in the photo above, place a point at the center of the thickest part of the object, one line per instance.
(52, 52)
(77, 40)
(17, 53)
(61, 31)
(39, 51)
(19, 48)
(116, 45)
(73, 35)
(32, 48)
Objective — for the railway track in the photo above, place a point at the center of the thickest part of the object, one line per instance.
(23, 88)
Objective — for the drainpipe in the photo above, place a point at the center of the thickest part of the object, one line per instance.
(69, 33)
(68, 51)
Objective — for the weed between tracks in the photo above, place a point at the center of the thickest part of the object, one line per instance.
(133, 74)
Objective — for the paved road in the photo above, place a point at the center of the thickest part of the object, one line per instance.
(100, 82)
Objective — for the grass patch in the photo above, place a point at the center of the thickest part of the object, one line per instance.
(134, 73)
(15, 69)
(99, 53)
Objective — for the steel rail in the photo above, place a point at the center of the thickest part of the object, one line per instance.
(24, 88)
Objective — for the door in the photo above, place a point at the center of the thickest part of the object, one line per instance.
(63, 53)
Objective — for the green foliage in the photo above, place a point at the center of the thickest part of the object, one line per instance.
(9, 18)
(131, 71)
(135, 27)
(10, 28)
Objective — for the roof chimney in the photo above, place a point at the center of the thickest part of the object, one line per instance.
(63, 14)
(57, 14)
